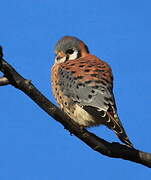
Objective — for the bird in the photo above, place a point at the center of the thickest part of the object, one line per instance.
(82, 85)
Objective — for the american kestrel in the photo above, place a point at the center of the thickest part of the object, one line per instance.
(82, 84)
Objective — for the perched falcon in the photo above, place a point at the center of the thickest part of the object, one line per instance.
(82, 84)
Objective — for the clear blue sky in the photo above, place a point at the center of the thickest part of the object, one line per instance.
(32, 145)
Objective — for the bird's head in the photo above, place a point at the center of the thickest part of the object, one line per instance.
(69, 48)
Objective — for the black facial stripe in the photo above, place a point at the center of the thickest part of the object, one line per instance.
(67, 57)
(79, 54)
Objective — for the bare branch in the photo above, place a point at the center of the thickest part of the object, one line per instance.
(4, 81)
(114, 150)
(1, 52)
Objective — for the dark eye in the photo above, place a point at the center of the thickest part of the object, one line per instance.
(70, 51)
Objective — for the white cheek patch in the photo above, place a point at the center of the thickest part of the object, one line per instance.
(74, 55)
(60, 60)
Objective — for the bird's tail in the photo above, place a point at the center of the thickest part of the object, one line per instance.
(114, 123)
(111, 120)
